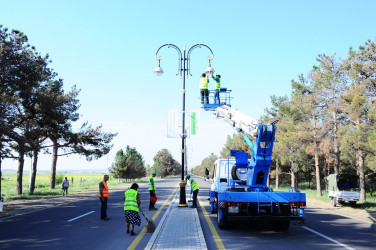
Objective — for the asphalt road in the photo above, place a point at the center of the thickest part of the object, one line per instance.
(77, 226)
(324, 229)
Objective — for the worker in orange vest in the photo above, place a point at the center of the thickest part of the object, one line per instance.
(103, 197)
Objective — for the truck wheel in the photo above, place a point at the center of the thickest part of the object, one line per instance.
(352, 203)
(334, 201)
(221, 218)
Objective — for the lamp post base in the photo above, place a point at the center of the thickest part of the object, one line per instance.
(182, 202)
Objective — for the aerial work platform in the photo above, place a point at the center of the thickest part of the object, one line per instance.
(224, 97)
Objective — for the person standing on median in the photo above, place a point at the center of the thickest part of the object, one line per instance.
(152, 191)
(65, 186)
(204, 84)
(132, 203)
(103, 197)
(194, 190)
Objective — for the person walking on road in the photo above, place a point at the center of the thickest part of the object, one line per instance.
(132, 203)
(204, 84)
(152, 191)
(194, 190)
(103, 197)
(65, 186)
(217, 87)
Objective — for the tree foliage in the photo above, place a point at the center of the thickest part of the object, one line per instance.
(165, 164)
(207, 162)
(36, 113)
(128, 164)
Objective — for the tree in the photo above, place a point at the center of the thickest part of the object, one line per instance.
(236, 142)
(207, 162)
(359, 105)
(329, 82)
(165, 164)
(128, 165)
(22, 71)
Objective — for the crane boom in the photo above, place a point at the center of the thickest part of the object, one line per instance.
(236, 119)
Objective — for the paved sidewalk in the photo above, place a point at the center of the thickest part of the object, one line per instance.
(179, 228)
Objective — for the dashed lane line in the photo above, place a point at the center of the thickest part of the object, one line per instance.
(328, 238)
(80, 216)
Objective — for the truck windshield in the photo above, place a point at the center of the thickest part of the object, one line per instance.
(225, 167)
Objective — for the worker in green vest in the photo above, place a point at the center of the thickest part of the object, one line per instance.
(217, 87)
(194, 190)
(132, 203)
(152, 191)
(204, 83)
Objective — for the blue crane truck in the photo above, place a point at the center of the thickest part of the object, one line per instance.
(239, 191)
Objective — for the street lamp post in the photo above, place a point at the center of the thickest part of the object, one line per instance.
(183, 70)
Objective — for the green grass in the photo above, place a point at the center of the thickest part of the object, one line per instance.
(81, 181)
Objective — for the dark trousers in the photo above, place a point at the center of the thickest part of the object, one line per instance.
(152, 194)
(204, 95)
(103, 207)
(65, 191)
(195, 193)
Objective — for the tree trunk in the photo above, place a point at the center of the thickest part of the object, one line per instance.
(33, 172)
(318, 181)
(20, 170)
(292, 175)
(360, 163)
(276, 174)
(53, 166)
(336, 144)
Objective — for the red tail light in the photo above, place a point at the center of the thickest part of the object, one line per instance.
(297, 204)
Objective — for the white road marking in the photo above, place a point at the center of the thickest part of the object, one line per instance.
(80, 216)
(328, 238)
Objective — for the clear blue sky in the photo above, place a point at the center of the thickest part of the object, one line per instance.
(107, 49)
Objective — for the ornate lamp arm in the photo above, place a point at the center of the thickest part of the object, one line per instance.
(210, 57)
(159, 58)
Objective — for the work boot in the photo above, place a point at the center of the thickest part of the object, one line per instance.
(193, 206)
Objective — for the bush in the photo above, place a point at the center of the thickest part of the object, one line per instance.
(59, 178)
(43, 185)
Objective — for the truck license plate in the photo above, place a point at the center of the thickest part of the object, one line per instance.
(233, 210)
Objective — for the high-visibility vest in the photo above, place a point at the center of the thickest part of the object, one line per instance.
(194, 184)
(105, 190)
(217, 82)
(130, 202)
(151, 181)
(204, 83)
